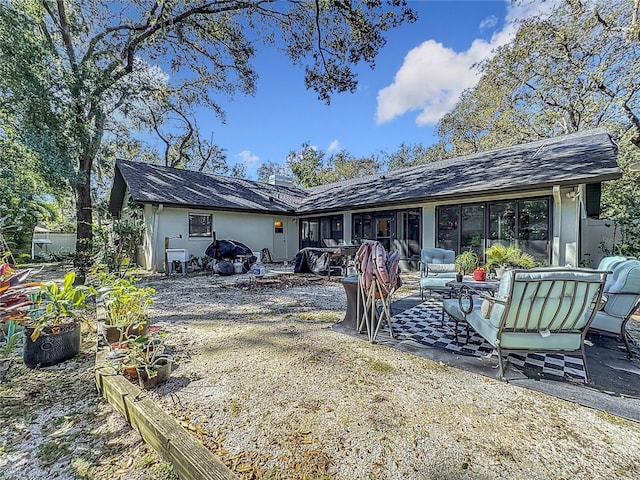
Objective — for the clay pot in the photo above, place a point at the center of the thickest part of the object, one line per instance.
(113, 333)
(479, 275)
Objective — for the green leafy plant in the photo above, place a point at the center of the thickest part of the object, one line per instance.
(466, 262)
(126, 304)
(54, 304)
(501, 256)
(146, 354)
(12, 336)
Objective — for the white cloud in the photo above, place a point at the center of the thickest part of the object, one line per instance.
(333, 146)
(432, 76)
(248, 158)
(489, 22)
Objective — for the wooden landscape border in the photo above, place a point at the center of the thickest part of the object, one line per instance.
(190, 459)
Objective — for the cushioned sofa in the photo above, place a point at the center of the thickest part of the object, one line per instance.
(621, 298)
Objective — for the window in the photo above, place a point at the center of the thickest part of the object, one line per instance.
(278, 226)
(523, 223)
(200, 226)
(316, 232)
(395, 229)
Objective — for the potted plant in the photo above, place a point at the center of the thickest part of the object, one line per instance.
(152, 366)
(54, 320)
(501, 257)
(466, 262)
(126, 308)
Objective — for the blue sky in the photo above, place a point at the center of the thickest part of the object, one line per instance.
(420, 74)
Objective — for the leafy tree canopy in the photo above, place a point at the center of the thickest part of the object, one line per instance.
(577, 68)
(74, 69)
(572, 70)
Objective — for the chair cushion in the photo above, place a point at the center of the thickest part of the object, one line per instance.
(437, 282)
(437, 255)
(437, 268)
(488, 329)
(486, 308)
(624, 279)
(607, 323)
(452, 307)
(609, 263)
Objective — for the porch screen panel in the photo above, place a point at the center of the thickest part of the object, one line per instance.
(413, 231)
(533, 228)
(310, 231)
(336, 228)
(325, 229)
(361, 226)
(400, 243)
(448, 221)
(407, 240)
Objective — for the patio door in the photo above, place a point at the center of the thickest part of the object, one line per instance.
(384, 229)
(279, 240)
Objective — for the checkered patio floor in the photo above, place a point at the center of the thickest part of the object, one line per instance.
(422, 324)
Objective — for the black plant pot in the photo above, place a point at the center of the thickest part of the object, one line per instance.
(54, 345)
(145, 380)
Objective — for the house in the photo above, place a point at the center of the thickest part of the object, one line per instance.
(535, 195)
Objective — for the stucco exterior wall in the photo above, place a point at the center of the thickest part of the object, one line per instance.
(172, 224)
(257, 230)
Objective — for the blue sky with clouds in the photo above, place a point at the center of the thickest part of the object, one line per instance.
(419, 76)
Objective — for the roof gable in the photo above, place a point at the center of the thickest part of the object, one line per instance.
(172, 186)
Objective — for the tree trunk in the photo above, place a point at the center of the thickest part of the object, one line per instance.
(84, 214)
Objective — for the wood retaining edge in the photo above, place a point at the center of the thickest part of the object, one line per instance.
(190, 459)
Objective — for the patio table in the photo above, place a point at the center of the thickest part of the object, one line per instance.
(461, 292)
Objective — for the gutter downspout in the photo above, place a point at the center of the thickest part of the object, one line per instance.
(154, 252)
(557, 200)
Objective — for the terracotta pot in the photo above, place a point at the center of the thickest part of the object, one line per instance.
(131, 371)
(479, 275)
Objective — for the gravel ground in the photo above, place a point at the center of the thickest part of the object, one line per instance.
(266, 384)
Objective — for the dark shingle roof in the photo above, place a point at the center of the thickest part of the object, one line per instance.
(583, 157)
(171, 186)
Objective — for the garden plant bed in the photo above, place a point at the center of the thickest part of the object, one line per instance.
(54, 423)
(266, 384)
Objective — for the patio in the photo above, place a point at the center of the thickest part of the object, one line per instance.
(615, 385)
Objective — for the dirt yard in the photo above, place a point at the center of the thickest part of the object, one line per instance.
(266, 384)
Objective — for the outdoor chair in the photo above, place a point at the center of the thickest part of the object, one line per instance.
(621, 299)
(437, 268)
(535, 311)
(608, 263)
